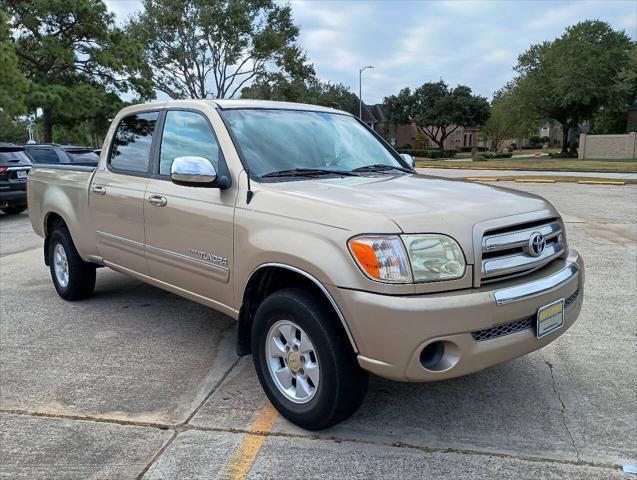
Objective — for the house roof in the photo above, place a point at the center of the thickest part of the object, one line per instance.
(373, 113)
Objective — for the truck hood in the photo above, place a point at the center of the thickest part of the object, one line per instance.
(415, 203)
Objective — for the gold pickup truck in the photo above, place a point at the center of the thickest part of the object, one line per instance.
(334, 255)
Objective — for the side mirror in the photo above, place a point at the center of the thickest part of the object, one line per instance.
(409, 159)
(193, 171)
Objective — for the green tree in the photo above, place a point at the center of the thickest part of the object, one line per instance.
(310, 90)
(13, 130)
(437, 110)
(507, 119)
(214, 48)
(572, 78)
(74, 58)
(12, 81)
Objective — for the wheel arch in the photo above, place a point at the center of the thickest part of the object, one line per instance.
(269, 277)
(51, 220)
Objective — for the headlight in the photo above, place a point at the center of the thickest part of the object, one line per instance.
(381, 258)
(434, 257)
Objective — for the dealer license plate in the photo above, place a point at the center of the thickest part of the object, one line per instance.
(550, 317)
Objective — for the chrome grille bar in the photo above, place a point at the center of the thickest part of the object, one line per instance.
(494, 267)
(519, 238)
(507, 253)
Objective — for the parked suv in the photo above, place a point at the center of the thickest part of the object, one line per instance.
(14, 167)
(54, 153)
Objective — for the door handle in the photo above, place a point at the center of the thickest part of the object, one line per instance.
(99, 190)
(157, 200)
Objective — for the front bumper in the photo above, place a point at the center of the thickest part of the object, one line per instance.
(392, 331)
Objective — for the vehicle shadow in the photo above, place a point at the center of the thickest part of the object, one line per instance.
(507, 408)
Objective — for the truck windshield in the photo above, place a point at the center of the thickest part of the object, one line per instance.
(277, 143)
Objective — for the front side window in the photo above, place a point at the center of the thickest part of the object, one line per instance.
(132, 142)
(187, 134)
(280, 140)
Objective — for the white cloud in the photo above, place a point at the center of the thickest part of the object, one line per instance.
(475, 43)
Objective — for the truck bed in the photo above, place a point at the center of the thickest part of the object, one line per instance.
(63, 190)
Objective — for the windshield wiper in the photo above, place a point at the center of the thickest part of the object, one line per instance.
(380, 167)
(307, 172)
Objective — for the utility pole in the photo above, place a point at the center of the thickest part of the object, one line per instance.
(360, 90)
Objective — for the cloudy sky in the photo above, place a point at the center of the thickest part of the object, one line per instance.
(474, 43)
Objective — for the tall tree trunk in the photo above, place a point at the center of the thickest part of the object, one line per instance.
(440, 143)
(572, 144)
(48, 126)
(565, 129)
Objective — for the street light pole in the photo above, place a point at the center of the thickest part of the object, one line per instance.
(360, 90)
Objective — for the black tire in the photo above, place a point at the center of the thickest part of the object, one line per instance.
(342, 383)
(14, 210)
(81, 275)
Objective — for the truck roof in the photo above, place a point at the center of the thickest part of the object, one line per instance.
(226, 104)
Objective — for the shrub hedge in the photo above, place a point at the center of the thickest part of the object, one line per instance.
(470, 149)
(429, 153)
(490, 156)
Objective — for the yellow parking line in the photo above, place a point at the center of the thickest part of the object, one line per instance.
(534, 180)
(482, 179)
(243, 458)
(601, 182)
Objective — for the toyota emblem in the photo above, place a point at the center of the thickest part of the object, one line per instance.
(537, 243)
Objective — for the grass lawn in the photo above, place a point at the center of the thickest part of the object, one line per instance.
(535, 163)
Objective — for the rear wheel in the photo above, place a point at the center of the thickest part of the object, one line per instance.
(304, 361)
(73, 278)
(14, 210)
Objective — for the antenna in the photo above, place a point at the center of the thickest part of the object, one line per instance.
(250, 192)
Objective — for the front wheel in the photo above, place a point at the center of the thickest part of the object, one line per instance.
(73, 278)
(304, 361)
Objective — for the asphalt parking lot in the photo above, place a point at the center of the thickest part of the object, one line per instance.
(138, 383)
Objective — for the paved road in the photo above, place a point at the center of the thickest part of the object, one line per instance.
(457, 172)
(136, 382)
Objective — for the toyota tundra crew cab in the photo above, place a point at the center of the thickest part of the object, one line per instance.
(333, 254)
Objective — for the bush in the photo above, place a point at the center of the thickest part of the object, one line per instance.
(501, 155)
(470, 149)
(563, 155)
(429, 153)
(490, 156)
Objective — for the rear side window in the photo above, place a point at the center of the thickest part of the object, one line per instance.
(44, 155)
(13, 157)
(132, 142)
(187, 134)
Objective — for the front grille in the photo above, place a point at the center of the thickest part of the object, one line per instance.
(517, 326)
(502, 330)
(506, 252)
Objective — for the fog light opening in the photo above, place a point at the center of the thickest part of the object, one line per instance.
(431, 355)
